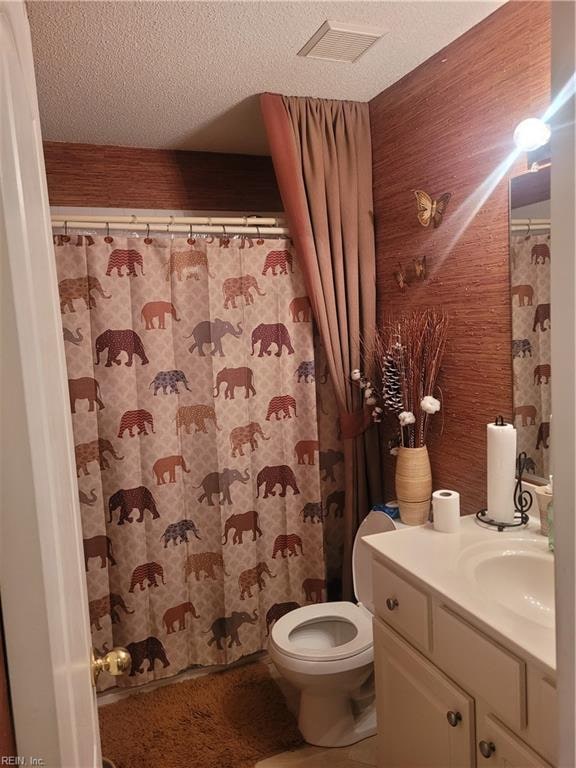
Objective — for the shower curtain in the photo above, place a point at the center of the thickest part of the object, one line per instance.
(530, 275)
(202, 483)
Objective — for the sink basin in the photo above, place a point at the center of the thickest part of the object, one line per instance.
(518, 574)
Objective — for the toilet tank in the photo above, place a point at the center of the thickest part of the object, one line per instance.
(374, 522)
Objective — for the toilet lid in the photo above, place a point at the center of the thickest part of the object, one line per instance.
(374, 522)
(304, 619)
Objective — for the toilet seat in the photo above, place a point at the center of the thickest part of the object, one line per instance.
(290, 637)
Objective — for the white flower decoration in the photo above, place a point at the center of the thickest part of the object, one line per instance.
(377, 410)
(430, 404)
(405, 418)
(371, 400)
(368, 392)
(394, 451)
(356, 375)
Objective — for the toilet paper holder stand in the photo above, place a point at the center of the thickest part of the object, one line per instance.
(522, 503)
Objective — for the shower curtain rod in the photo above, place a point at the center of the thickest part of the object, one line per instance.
(249, 225)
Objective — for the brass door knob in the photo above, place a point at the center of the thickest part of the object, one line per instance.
(115, 662)
(487, 748)
(392, 603)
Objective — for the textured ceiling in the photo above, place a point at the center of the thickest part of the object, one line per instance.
(185, 75)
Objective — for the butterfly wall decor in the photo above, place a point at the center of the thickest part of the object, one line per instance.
(400, 277)
(419, 264)
(430, 210)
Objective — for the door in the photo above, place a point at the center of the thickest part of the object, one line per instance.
(42, 578)
(497, 747)
(424, 720)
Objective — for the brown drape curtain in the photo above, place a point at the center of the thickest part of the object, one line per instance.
(322, 156)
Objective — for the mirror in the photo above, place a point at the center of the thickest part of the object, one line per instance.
(530, 253)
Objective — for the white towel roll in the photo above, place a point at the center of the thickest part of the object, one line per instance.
(446, 511)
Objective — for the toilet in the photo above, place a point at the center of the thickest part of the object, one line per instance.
(326, 651)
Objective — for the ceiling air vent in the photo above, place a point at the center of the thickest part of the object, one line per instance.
(339, 41)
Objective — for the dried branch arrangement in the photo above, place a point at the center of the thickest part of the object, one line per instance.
(406, 357)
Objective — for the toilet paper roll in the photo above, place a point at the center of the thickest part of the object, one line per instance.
(446, 511)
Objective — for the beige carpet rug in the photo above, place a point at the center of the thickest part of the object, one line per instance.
(228, 719)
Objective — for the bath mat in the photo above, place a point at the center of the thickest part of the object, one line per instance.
(228, 719)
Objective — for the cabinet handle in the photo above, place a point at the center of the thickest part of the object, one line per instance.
(487, 748)
(453, 718)
(391, 603)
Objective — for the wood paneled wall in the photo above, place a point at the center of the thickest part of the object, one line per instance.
(445, 127)
(127, 177)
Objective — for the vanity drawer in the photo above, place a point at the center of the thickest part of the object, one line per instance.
(481, 666)
(401, 605)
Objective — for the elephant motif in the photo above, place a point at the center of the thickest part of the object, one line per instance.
(171, 379)
(525, 294)
(73, 339)
(307, 371)
(253, 577)
(85, 388)
(313, 589)
(88, 500)
(235, 377)
(300, 306)
(234, 287)
(139, 419)
(120, 341)
(305, 449)
(94, 451)
(541, 315)
(149, 650)
(197, 415)
(530, 465)
(212, 332)
(521, 348)
(228, 626)
(106, 606)
(179, 530)
(244, 523)
(542, 372)
(313, 511)
(276, 612)
(178, 614)
(328, 460)
(219, 483)
(275, 259)
(168, 465)
(204, 562)
(240, 436)
(120, 258)
(79, 288)
(146, 572)
(279, 475)
(181, 262)
(540, 253)
(527, 413)
(128, 499)
(98, 546)
(336, 499)
(158, 310)
(281, 404)
(271, 333)
(287, 543)
(543, 435)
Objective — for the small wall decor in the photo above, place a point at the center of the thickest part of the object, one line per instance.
(400, 277)
(430, 210)
(420, 267)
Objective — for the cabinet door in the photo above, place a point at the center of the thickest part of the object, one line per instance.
(497, 747)
(424, 720)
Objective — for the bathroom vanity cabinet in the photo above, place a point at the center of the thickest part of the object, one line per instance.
(451, 692)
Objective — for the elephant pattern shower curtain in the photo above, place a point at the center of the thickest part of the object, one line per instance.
(192, 382)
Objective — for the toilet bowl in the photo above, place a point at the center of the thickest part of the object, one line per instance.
(326, 650)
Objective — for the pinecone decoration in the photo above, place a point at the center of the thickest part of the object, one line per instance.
(391, 389)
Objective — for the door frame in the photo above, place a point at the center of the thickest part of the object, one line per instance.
(42, 578)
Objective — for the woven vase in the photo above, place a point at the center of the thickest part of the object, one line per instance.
(413, 485)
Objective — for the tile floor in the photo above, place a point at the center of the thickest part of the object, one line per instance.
(358, 755)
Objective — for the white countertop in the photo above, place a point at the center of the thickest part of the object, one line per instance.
(438, 561)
